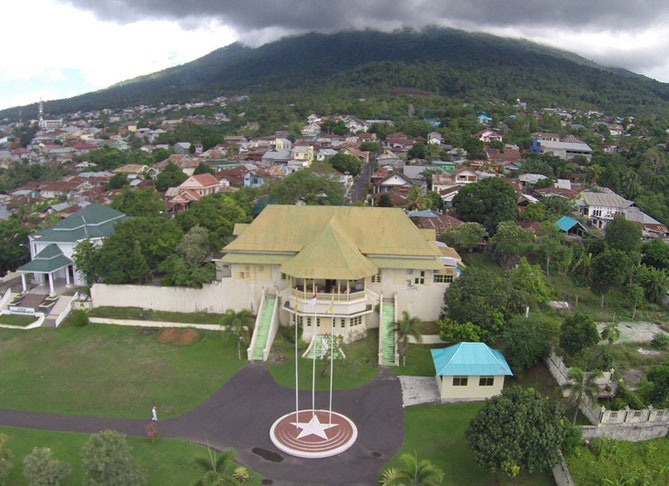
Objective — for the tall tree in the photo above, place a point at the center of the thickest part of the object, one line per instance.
(412, 473)
(464, 237)
(578, 332)
(526, 342)
(488, 202)
(171, 176)
(510, 242)
(502, 430)
(405, 328)
(654, 282)
(345, 163)
(6, 460)
(203, 168)
(134, 202)
(416, 200)
(624, 235)
(610, 269)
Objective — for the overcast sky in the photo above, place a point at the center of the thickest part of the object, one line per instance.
(59, 48)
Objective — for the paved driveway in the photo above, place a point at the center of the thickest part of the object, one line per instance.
(240, 414)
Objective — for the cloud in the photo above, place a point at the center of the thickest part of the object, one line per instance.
(327, 15)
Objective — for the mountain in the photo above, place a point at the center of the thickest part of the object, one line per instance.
(445, 61)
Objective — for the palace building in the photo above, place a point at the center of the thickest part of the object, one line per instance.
(338, 270)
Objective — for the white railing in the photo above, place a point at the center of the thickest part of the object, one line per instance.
(39, 316)
(381, 330)
(67, 310)
(254, 338)
(5, 298)
(397, 353)
(273, 328)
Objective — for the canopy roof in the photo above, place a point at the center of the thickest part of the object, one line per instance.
(470, 359)
(48, 260)
(332, 255)
(565, 223)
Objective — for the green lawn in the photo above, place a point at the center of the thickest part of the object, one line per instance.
(16, 320)
(110, 371)
(621, 463)
(358, 368)
(419, 361)
(436, 433)
(165, 462)
(151, 315)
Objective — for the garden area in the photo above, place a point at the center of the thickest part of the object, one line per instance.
(437, 433)
(16, 320)
(116, 371)
(165, 461)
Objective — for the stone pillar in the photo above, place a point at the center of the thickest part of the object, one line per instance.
(67, 275)
(51, 291)
(23, 281)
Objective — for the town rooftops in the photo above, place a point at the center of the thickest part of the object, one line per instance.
(92, 221)
(470, 359)
(605, 199)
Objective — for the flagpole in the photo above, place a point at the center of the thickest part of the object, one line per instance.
(297, 402)
(313, 367)
(331, 366)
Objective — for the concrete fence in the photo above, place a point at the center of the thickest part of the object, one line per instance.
(216, 297)
(628, 424)
(561, 473)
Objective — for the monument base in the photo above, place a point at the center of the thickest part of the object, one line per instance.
(313, 434)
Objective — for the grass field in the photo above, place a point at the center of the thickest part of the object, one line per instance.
(17, 320)
(419, 361)
(110, 371)
(621, 463)
(165, 462)
(437, 433)
(358, 368)
(150, 315)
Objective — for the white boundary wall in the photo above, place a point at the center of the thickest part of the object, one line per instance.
(141, 323)
(216, 297)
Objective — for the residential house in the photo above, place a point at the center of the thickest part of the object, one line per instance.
(181, 148)
(302, 155)
(51, 249)
(389, 159)
(488, 136)
(428, 219)
(565, 150)
(253, 179)
(469, 372)
(571, 226)
(385, 180)
(435, 138)
(599, 208)
(354, 125)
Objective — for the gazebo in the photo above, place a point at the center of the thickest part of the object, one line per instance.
(49, 264)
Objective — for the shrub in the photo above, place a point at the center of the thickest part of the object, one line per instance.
(660, 341)
(526, 342)
(453, 332)
(107, 461)
(6, 460)
(80, 318)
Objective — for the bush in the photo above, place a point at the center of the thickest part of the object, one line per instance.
(107, 461)
(526, 342)
(6, 460)
(79, 318)
(660, 341)
(453, 332)
(288, 332)
(624, 398)
(578, 332)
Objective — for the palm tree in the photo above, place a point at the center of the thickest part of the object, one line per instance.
(581, 386)
(631, 184)
(416, 199)
(654, 281)
(214, 467)
(583, 262)
(414, 473)
(611, 333)
(237, 324)
(406, 328)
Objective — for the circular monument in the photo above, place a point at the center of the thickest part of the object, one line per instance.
(317, 434)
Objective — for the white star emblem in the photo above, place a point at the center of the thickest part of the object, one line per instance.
(313, 427)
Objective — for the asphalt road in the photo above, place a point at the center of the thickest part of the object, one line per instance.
(360, 184)
(240, 414)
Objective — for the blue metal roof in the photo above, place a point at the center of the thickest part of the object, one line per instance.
(565, 223)
(470, 359)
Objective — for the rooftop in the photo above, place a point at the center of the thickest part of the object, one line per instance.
(470, 359)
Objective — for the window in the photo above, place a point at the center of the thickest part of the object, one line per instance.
(637, 414)
(376, 278)
(420, 279)
(460, 381)
(486, 380)
(283, 276)
(342, 323)
(356, 321)
(614, 415)
(441, 278)
(308, 321)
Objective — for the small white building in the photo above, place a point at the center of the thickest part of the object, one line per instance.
(469, 372)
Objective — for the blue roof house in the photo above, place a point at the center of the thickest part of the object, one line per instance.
(469, 372)
(571, 226)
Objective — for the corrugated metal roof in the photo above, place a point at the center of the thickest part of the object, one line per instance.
(332, 255)
(605, 200)
(256, 258)
(565, 223)
(470, 359)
